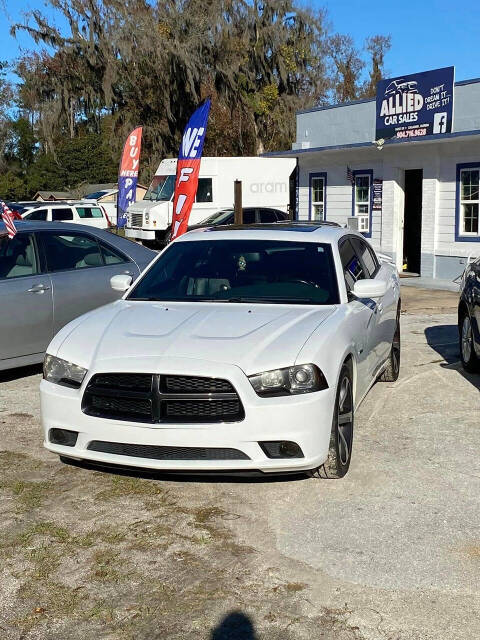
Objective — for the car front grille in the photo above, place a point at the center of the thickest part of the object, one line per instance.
(167, 453)
(136, 219)
(155, 399)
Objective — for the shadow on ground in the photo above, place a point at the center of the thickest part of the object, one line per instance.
(20, 372)
(242, 477)
(443, 338)
(235, 626)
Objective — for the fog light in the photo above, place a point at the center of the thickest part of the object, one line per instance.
(63, 437)
(281, 449)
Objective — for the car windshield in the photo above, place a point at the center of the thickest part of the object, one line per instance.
(250, 271)
(162, 188)
(217, 218)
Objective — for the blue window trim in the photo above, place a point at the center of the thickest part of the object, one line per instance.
(458, 236)
(318, 174)
(364, 172)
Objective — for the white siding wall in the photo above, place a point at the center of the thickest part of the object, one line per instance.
(439, 163)
(339, 189)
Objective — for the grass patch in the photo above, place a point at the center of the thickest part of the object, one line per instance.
(106, 565)
(48, 597)
(12, 460)
(29, 495)
(121, 486)
(47, 529)
(45, 561)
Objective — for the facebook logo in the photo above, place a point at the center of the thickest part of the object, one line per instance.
(440, 122)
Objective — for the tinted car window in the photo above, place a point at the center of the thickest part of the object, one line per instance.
(69, 251)
(248, 216)
(17, 256)
(352, 267)
(366, 255)
(204, 191)
(62, 214)
(267, 215)
(89, 212)
(111, 256)
(242, 271)
(38, 214)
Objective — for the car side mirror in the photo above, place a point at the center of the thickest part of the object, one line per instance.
(370, 288)
(121, 282)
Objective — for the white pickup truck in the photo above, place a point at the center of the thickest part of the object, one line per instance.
(266, 182)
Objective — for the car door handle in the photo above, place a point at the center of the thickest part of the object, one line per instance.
(127, 273)
(38, 288)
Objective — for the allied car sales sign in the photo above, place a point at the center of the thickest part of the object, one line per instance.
(415, 106)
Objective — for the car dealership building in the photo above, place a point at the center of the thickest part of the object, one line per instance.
(404, 168)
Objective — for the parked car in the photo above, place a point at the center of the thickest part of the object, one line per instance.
(469, 318)
(51, 273)
(244, 349)
(81, 213)
(107, 199)
(251, 215)
(266, 182)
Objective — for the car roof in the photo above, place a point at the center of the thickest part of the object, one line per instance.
(133, 249)
(294, 231)
(56, 203)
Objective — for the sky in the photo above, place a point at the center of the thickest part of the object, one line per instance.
(426, 34)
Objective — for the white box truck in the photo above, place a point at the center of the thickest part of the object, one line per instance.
(268, 182)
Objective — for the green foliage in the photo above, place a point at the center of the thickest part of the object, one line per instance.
(135, 62)
(12, 187)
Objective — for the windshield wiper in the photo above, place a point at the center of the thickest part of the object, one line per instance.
(272, 299)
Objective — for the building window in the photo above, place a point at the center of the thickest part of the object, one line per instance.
(469, 201)
(362, 200)
(318, 196)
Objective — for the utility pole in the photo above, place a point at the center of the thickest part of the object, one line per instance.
(237, 191)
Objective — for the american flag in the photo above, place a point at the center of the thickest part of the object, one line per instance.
(350, 177)
(7, 217)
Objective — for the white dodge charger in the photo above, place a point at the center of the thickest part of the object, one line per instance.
(242, 349)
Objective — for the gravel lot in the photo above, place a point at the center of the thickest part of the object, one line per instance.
(391, 552)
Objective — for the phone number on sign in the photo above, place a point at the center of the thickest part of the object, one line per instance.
(411, 133)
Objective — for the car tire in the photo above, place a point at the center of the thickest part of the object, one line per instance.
(392, 370)
(469, 358)
(341, 437)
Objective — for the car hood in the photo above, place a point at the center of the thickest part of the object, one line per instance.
(253, 337)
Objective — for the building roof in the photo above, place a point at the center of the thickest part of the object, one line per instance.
(85, 189)
(439, 137)
(52, 195)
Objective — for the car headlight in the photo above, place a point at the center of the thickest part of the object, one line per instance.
(303, 378)
(62, 372)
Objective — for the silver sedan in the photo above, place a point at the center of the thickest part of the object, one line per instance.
(50, 273)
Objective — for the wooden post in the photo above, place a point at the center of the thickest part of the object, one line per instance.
(238, 217)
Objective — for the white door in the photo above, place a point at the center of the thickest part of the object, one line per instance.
(92, 216)
(384, 307)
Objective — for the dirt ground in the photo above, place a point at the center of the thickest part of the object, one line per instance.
(391, 552)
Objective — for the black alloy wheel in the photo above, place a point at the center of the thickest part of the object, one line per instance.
(341, 438)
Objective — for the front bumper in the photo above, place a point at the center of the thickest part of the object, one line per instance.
(304, 419)
(142, 234)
